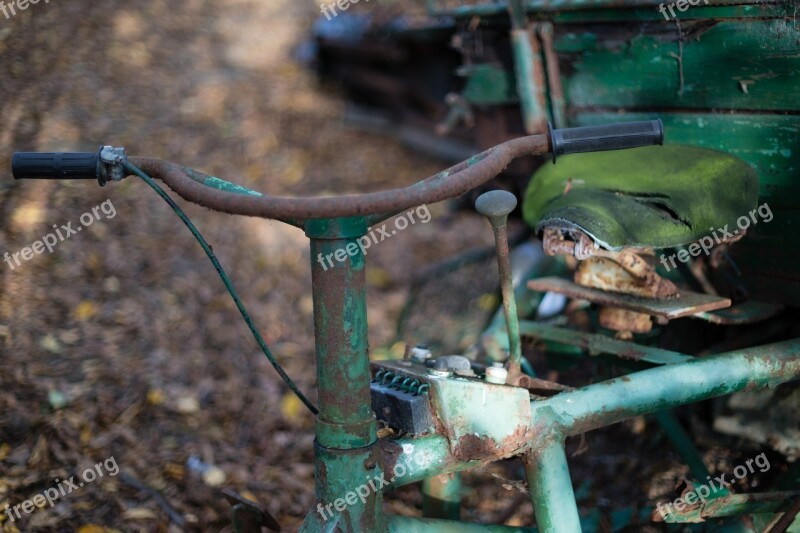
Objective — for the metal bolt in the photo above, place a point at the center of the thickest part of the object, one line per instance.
(440, 369)
(496, 374)
(420, 354)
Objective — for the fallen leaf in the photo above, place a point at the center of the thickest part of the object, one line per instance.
(292, 408)
(174, 471)
(488, 302)
(188, 405)
(155, 397)
(85, 311)
(385, 432)
(139, 513)
(69, 336)
(214, 476)
(378, 278)
(39, 453)
(92, 528)
(85, 435)
(249, 495)
(57, 399)
(50, 343)
(27, 216)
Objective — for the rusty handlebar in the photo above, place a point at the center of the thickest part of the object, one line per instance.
(453, 182)
(449, 183)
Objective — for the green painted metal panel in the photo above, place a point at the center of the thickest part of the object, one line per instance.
(602, 8)
(489, 84)
(716, 11)
(753, 65)
(468, 410)
(575, 42)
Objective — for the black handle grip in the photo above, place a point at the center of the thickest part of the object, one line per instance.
(55, 166)
(607, 137)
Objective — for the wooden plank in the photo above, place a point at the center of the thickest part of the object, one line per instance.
(744, 64)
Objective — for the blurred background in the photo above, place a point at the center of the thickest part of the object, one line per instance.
(123, 342)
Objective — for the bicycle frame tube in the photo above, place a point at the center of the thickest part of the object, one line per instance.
(346, 455)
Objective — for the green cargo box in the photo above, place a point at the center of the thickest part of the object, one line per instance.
(722, 75)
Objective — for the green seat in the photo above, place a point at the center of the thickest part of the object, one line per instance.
(654, 197)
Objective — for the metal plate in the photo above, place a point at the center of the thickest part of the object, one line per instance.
(748, 312)
(686, 304)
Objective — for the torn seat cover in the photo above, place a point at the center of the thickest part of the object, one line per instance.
(653, 197)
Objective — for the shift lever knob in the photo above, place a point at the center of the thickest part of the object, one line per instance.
(496, 206)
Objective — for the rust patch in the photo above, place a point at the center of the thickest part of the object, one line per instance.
(625, 271)
(624, 321)
(390, 453)
(486, 449)
(632, 354)
(600, 419)
(541, 387)
(473, 447)
(580, 245)
(322, 473)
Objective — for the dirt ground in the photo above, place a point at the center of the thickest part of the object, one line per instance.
(122, 344)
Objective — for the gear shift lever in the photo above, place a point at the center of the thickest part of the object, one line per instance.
(496, 206)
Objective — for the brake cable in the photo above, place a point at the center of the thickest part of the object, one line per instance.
(225, 279)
